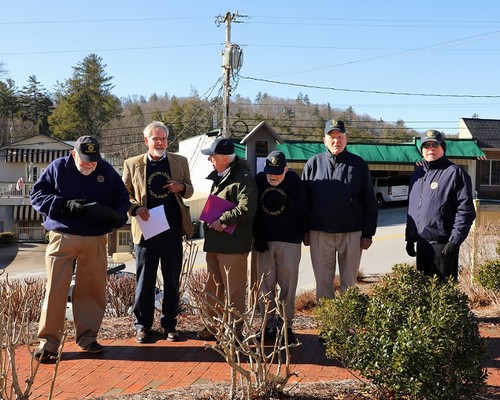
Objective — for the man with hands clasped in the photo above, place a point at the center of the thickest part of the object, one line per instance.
(279, 228)
(440, 210)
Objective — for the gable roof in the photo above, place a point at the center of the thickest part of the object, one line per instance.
(485, 131)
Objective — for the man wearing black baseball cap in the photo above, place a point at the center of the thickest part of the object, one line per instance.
(225, 251)
(440, 209)
(82, 199)
(279, 228)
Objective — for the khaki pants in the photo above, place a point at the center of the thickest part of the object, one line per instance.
(89, 293)
(279, 266)
(325, 249)
(233, 285)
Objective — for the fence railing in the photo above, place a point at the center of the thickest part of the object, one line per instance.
(30, 234)
(9, 190)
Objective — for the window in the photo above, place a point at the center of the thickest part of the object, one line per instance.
(489, 172)
(124, 238)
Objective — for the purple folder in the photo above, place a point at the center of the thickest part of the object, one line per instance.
(214, 208)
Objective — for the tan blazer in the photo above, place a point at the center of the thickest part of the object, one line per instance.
(134, 176)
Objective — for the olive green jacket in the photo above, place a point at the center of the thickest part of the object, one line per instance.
(239, 187)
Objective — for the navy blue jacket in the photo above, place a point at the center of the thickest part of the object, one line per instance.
(440, 207)
(341, 194)
(61, 181)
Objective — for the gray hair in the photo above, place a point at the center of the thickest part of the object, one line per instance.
(152, 126)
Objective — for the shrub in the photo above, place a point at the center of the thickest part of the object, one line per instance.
(414, 337)
(7, 238)
(488, 275)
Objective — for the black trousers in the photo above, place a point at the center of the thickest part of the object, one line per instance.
(165, 249)
(431, 261)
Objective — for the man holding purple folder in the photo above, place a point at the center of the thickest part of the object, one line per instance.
(232, 181)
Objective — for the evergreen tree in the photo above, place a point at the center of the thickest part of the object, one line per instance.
(35, 105)
(86, 105)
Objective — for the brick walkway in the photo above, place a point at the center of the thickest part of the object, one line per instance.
(128, 367)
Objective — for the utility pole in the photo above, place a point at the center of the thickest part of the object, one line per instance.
(231, 60)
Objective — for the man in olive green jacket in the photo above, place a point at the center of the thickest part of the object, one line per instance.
(232, 181)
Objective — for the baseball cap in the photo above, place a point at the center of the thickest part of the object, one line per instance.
(219, 146)
(275, 163)
(432, 135)
(333, 124)
(87, 148)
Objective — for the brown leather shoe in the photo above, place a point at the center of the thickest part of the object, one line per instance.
(141, 335)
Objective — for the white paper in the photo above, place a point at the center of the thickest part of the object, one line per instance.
(157, 223)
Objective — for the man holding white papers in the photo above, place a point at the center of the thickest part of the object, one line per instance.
(232, 181)
(158, 179)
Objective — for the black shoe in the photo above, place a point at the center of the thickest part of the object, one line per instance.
(44, 355)
(172, 335)
(93, 348)
(269, 335)
(142, 335)
(291, 336)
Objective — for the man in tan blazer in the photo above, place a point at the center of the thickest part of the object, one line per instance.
(158, 178)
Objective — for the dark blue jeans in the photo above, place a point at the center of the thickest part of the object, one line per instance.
(432, 262)
(164, 249)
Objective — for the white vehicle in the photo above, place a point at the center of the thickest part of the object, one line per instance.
(391, 188)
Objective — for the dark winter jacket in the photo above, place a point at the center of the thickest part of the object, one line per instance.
(341, 194)
(237, 186)
(282, 209)
(62, 181)
(440, 207)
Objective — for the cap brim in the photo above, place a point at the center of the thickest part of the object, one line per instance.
(334, 129)
(207, 152)
(88, 158)
(273, 170)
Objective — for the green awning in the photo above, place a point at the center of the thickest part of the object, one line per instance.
(460, 148)
(381, 153)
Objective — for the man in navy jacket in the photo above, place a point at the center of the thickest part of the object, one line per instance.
(82, 199)
(343, 216)
(440, 210)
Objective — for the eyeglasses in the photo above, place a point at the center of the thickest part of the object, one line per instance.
(158, 139)
(433, 144)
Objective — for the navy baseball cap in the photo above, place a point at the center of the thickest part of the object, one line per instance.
(432, 135)
(333, 124)
(220, 146)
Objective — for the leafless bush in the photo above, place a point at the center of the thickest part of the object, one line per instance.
(305, 301)
(18, 309)
(478, 248)
(263, 370)
(120, 294)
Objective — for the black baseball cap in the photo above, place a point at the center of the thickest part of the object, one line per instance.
(275, 163)
(220, 146)
(87, 148)
(432, 135)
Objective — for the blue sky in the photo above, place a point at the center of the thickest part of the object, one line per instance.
(444, 55)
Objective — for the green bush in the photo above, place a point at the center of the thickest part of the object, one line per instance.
(414, 337)
(488, 275)
(7, 237)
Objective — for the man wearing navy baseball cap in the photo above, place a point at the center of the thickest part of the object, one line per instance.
(440, 209)
(343, 216)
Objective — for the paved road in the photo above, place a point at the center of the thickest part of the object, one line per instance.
(27, 259)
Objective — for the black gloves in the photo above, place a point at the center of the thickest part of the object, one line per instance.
(109, 216)
(410, 249)
(450, 249)
(260, 245)
(74, 207)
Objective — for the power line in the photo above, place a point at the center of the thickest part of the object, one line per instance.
(371, 91)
